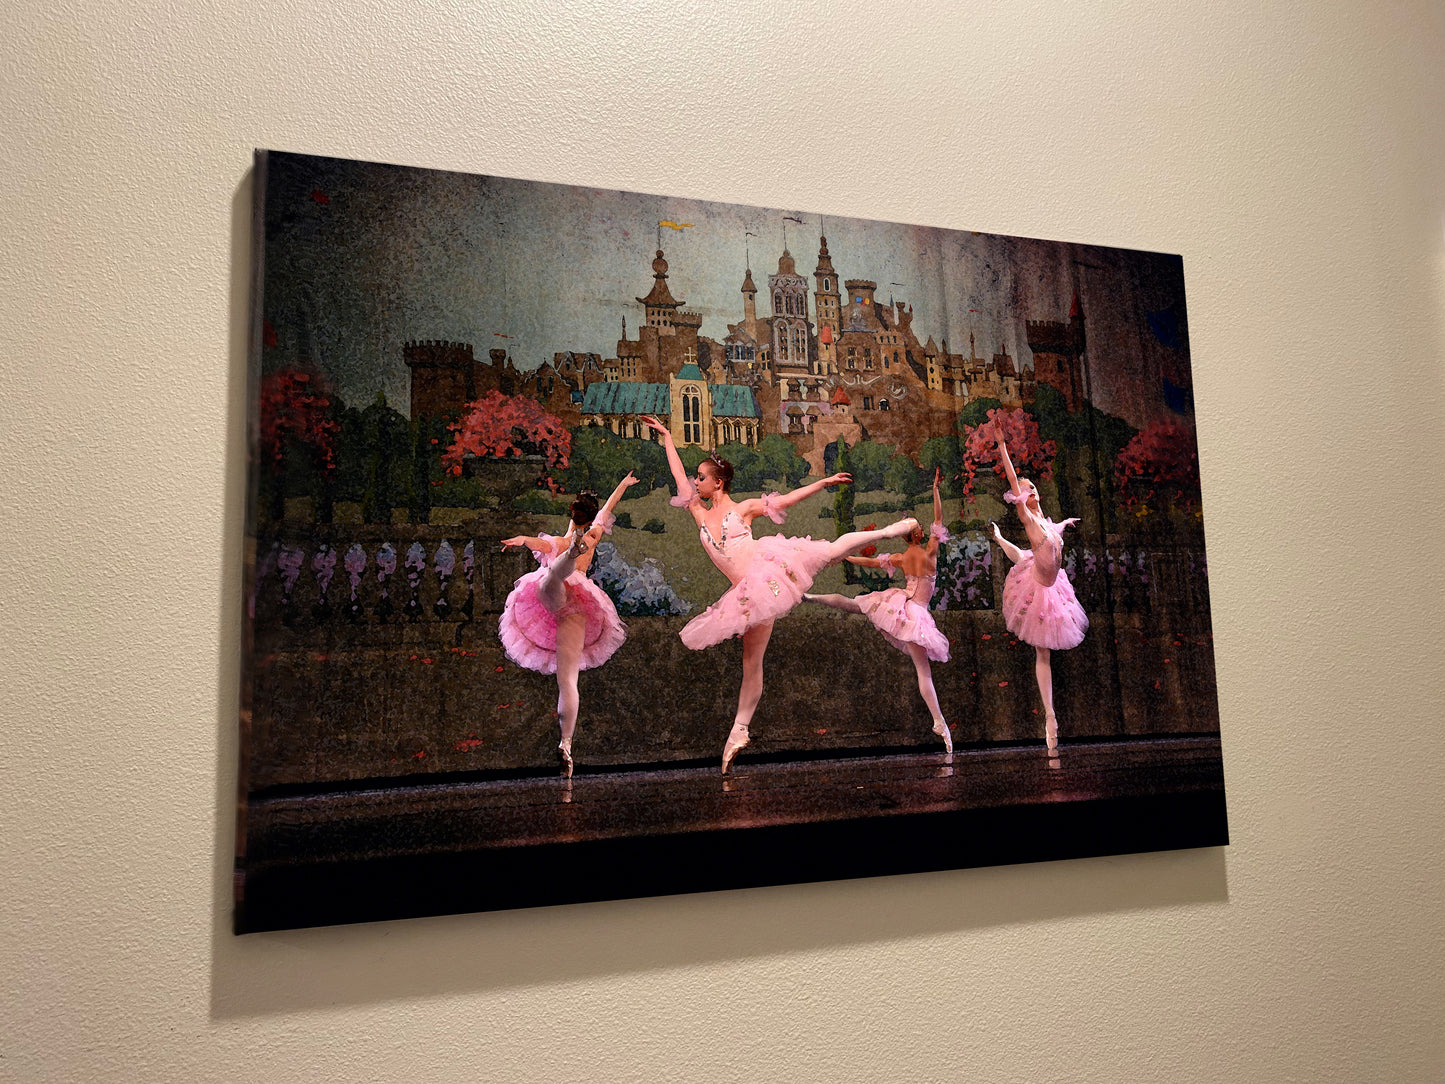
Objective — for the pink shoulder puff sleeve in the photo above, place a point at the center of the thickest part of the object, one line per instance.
(774, 511)
(544, 559)
(940, 532)
(685, 496)
(605, 520)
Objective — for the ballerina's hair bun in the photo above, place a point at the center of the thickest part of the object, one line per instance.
(584, 508)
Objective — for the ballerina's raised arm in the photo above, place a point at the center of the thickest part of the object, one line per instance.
(603, 521)
(937, 533)
(774, 504)
(686, 492)
(1008, 466)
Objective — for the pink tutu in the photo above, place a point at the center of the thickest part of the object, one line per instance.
(529, 630)
(902, 621)
(1049, 616)
(778, 572)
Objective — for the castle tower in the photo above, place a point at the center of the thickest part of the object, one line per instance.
(789, 291)
(827, 303)
(1058, 349)
(750, 303)
(443, 377)
(660, 304)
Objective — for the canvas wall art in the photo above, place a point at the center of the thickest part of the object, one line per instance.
(604, 545)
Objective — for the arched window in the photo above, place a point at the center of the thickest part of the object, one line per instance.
(691, 416)
(882, 404)
(778, 301)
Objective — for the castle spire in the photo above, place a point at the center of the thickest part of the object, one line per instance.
(825, 261)
(827, 303)
(660, 296)
(660, 304)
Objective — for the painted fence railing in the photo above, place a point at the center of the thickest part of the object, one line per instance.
(378, 578)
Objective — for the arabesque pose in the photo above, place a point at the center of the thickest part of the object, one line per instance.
(901, 613)
(1039, 605)
(556, 620)
(768, 575)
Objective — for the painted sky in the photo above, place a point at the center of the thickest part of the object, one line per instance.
(361, 258)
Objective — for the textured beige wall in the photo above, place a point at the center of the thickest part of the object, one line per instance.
(1292, 152)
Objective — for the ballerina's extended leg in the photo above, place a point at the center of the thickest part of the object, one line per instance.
(837, 602)
(930, 696)
(854, 541)
(1045, 675)
(552, 587)
(755, 645)
(571, 633)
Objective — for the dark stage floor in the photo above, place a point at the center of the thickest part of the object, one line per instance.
(409, 850)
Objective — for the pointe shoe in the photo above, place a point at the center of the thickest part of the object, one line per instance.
(578, 546)
(1051, 734)
(734, 746)
(941, 729)
(900, 529)
(565, 752)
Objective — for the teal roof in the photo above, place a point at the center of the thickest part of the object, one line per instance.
(732, 401)
(627, 397)
(690, 371)
(632, 397)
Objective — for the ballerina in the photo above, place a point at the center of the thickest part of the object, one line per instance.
(901, 613)
(1039, 605)
(768, 575)
(556, 620)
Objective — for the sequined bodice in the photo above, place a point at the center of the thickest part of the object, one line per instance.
(1049, 555)
(732, 548)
